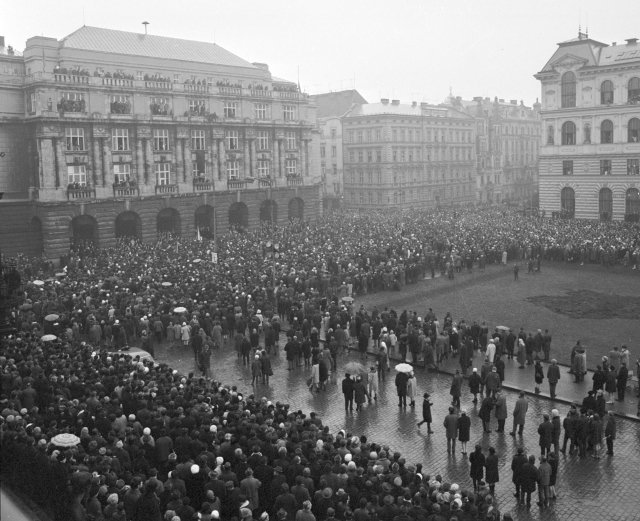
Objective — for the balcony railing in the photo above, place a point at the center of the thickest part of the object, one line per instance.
(83, 192)
(257, 93)
(125, 191)
(190, 87)
(294, 180)
(265, 182)
(230, 91)
(236, 184)
(117, 82)
(70, 78)
(166, 189)
(202, 185)
(287, 94)
(158, 85)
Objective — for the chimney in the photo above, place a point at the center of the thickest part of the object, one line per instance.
(395, 102)
(414, 104)
(613, 44)
(477, 99)
(488, 99)
(262, 66)
(514, 101)
(631, 41)
(384, 101)
(501, 100)
(424, 105)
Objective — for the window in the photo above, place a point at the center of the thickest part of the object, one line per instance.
(139, 75)
(334, 133)
(159, 106)
(291, 167)
(605, 167)
(231, 139)
(568, 90)
(163, 173)
(197, 140)
(633, 130)
(197, 107)
(567, 167)
(550, 132)
(378, 134)
(74, 138)
(606, 131)
(587, 133)
(323, 152)
(568, 201)
(360, 156)
(632, 203)
(369, 156)
(233, 169)
(176, 78)
(263, 140)
(605, 204)
(568, 133)
(290, 140)
(121, 173)
(634, 91)
(120, 104)
(230, 109)
(334, 151)
(31, 103)
(606, 92)
(359, 136)
(261, 110)
(633, 166)
(199, 165)
(160, 139)
(263, 168)
(120, 139)
(378, 156)
(289, 112)
(77, 175)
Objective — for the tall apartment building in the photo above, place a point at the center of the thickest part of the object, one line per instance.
(331, 107)
(408, 156)
(507, 145)
(590, 151)
(111, 134)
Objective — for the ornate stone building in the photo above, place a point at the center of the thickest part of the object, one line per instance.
(133, 135)
(590, 151)
(408, 156)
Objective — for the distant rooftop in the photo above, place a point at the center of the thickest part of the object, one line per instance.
(98, 39)
(336, 104)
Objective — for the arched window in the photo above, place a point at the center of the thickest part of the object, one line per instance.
(606, 131)
(550, 140)
(567, 202)
(568, 96)
(587, 133)
(634, 91)
(632, 205)
(606, 92)
(633, 130)
(568, 133)
(605, 204)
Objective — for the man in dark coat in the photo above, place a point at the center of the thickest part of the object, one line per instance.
(545, 431)
(517, 462)
(623, 376)
(485, 412)
(475, 381)
(491, 474)
(464, 430)
(426, 413)
(519, 414)
(456, 389)
(451, 429)
(553, 375)
(529, 478)
(610, 431)
(347, 391)
(401, 388)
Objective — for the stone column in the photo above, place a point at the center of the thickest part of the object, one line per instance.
(221, 160)
(254, 164)
(210, 158)
(246, 160)
(97, 163)
(150, 173)
(139, 162)
(179, 162)
(61, 176)
(47, 163)
(303, 157)
(275, 164)
(280, 158)
(106, 163)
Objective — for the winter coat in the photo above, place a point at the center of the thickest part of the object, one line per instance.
(412, 388)
(517, 463)
(474, 383)
(501, 408)
(456, 386)
(545, 430)
(464, 428)
(485, 409)
(529, 477)
(539, 373)
(491, 466)
(477, 461)
(451, 426)
(426, 411)
(360, 392)
(544, 474)
(520, 411)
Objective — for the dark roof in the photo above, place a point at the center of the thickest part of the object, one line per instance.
(111, 41)
(335, 104)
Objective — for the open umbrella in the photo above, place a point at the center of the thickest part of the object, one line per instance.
(48, 338)
(65, 439)
(180, 309)
(51, 318)
(347, 299)
(502, 328)
(404, 368)
(167, 284)
(355, 368)
(196, 261)
(26, 307)
(61, 274)
(38, 282)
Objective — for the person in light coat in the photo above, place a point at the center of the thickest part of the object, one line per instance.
(519, 414)
(412, 389)
(501, 410)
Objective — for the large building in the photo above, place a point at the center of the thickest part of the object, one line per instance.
(507, 145)
(330, 108)
(408, 156)
(109, 134)
(590, 152)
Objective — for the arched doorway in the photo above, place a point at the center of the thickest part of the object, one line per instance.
(296, 209)
(128, 225)
(632, 205)
(84, 231)
(605, 204)
(205, 221)
(269, 211)
(567, 202)
(168, 222)
(239, 216)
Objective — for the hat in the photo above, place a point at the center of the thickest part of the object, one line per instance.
(147, 431)
(555, 413)
(475, 369)
(195, 469)
(327, 493)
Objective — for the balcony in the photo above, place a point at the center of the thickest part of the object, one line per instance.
(117, 82)
(72, 106)
(294, 180)
(236, 184)
(166, 189)
(194, 87)
(200, 184)
(288, 94)
(126, 190)
(76, 193)
(158, 85)
(71, 78)
(265, 182)
(229, 90)
(120, 107)
(260, 93)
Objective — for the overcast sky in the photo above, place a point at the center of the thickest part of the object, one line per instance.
(412, 50)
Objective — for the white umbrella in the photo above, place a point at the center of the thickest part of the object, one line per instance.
(502, 328)
(167, 284)
(180, 309)
(65, 439)
(38, 282)
(196, 261)
(51, 318)
(48, 338)
(404, 368)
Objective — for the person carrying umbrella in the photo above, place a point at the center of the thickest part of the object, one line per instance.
(401, 386)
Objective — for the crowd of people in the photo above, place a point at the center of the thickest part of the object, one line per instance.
(154, 444)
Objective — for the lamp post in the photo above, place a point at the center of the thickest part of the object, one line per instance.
(272, 251)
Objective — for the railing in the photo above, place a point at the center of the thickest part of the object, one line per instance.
(294, 180)
(83, 192)
(189, 87)
(265, 182)
(125, 191)
(166, 189)
(202, 185)
(287, 94)
(232, 91)
(70, 78)
(117, 82)
(261, 93)
(236, 184)
(158, 85)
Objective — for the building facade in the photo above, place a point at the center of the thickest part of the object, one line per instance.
(408, 156)
(132, 135)
(590, 150)
(507, 146)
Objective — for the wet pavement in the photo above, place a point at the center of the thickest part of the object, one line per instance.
(606, 488)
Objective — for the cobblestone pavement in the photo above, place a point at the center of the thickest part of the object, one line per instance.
(588, 489)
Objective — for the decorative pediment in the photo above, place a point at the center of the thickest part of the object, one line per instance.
(568, 62)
